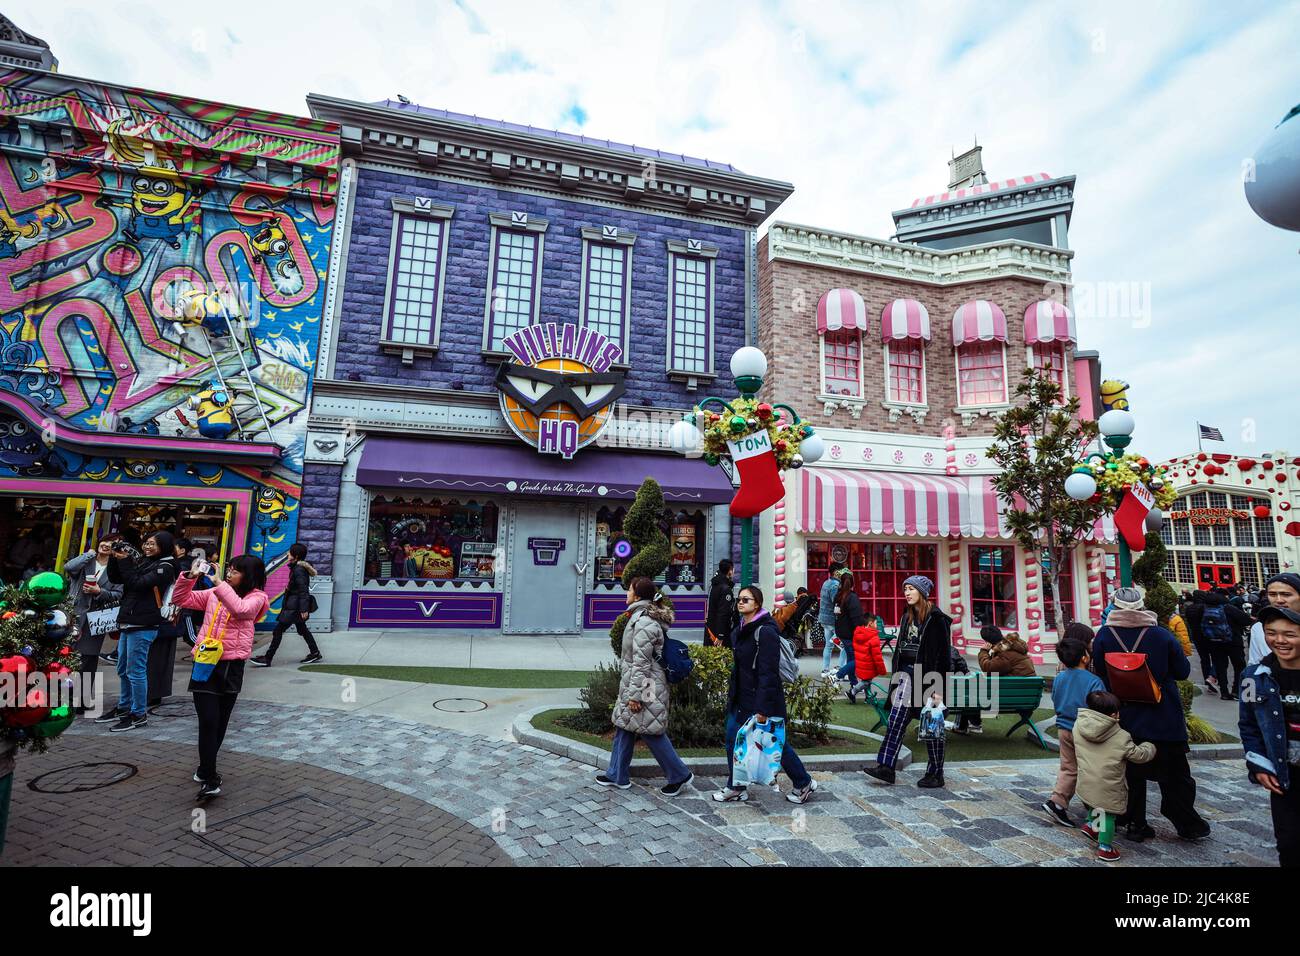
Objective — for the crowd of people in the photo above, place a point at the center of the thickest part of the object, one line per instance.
(149, 594)
(1119, 716)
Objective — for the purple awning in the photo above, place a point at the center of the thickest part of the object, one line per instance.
(425, 464)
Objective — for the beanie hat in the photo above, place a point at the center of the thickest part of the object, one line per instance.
(990, 634)
(1128, 599)
(1288, 578)
(921, 583)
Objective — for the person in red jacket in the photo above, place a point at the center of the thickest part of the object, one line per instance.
(868, 661)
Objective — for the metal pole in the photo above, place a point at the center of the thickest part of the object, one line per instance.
(746, 552)
(1125, 565)
(1198, 437)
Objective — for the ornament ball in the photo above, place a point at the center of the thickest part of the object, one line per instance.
(796, 461)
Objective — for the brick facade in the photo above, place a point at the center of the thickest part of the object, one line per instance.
(320, 497)
(459, 362)
(788, 293)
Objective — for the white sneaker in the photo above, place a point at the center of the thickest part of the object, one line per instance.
(728, 795)
(975, 729)
(804, 795)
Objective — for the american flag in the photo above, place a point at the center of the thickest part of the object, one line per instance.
(1213, 434)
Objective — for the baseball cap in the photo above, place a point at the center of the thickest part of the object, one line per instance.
(1271, 613)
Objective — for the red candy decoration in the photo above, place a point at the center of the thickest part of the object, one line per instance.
(1293, 529)
(1202, 457)
(1245, 464)
(1261, 511)
(1266, 465)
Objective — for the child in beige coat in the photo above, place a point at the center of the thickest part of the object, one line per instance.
(1103, 748)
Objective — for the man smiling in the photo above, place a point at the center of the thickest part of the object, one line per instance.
(1270, 726)
(1281, 590)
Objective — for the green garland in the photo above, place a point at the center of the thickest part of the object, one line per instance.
(1116, 473)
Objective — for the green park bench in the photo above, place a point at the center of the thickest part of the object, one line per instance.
(1007, 695)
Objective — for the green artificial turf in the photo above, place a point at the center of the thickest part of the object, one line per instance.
(459, 676)
(547, 722)
(993, 744)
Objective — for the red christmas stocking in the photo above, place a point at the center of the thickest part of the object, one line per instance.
(1131, 516)
(760, 480)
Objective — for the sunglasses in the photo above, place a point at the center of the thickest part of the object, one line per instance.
(538, 389)
(745, 600)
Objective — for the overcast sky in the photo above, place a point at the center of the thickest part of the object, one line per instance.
(1155, 107)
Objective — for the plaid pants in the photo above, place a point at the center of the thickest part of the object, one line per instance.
(899, 719)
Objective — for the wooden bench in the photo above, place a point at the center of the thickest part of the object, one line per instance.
(1015, 695)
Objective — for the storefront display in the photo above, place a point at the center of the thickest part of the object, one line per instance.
(686, 533)
(433, 540)
(993, 586)
(879, 570)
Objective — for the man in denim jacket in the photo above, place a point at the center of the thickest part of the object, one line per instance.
(1270, 726)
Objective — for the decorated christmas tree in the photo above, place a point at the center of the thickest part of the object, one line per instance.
(38, 659)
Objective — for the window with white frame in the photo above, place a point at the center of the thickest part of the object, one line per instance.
(905, 359)
(690, 307)
(1201, 535)
(842, 363)
(1268, 565)
(1222, 536)
(416, 262)
(1218, 499)
(1244, 532)
(1264, 537)
(514, 282)
(606, 282)
(1186, 570)
(1167, 532)
(981, 373)
(1182, 531)
(1049, 358)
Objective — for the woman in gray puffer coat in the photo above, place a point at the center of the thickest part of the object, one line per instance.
(642, 706)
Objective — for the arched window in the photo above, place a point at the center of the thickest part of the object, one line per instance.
(905, 330)
(842, 363)
(979, 334)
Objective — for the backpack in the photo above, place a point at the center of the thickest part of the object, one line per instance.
(675, 659)
(1215, 626)
(789, 665)
(1131, 679)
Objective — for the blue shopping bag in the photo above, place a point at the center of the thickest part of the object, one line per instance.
(757, 754)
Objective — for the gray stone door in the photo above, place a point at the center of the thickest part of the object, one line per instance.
(548, 543)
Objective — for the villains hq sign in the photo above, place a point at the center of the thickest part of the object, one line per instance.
(559, 394)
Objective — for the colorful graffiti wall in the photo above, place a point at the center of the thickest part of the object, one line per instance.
(162, 276)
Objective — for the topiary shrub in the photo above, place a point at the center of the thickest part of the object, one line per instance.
(1148, 573)
(651, 548)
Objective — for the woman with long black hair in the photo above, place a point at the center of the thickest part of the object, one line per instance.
(231, 611)
(145, 582)
(922, 658)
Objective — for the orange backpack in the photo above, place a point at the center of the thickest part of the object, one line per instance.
(1131, 679)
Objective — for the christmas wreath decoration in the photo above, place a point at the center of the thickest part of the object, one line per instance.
(747, 417)
(1114, 474)
(37, 657)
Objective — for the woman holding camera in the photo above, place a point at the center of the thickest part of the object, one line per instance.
(230, 612)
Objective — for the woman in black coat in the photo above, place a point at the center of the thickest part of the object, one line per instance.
(755, 690)
(848, 618)
(145, 582)
(922, 659)
(721, 619)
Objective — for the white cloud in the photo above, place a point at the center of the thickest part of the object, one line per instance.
(1152, 106)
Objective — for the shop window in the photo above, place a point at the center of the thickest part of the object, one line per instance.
(1218, 499)
(1243, 532)
(993, 586)
(1248, 565)
(1186, 569)
(1048, 358)
(842, 363)
(906, 371)
(1066, 584)
(440, 540)
(690, 314)
(1182, 531)
(605, 290)
(1197, 500)
(1201, 535)
(879, 570)
(1222, 535)
(1264, 533)
(981, 373)
(1242, 503)
(513, 286)
(1167, 532)
(1268, 565)
(414, 284)
(687, 535)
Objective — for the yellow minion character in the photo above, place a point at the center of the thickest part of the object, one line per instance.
(1114, 394)
(271, 510)
(214, 409)
(269, 242)
(159, 201)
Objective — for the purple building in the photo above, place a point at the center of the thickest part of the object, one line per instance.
(516, 316)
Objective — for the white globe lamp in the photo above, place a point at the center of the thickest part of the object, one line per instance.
(748, 368)
(1080, 486)
(1273, 184)
(812, 448)
(685, 438)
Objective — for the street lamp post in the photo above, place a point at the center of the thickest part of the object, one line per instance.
(1116, 428)
(748, 368)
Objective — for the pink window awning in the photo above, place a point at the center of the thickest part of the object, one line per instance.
(852, 501)
(1049, 321)
(978, 321)
(905, 319)
(841, 309)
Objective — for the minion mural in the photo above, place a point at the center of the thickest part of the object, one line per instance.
(162, 267)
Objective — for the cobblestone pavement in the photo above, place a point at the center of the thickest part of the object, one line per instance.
(543, 809)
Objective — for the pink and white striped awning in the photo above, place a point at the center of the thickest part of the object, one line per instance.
(1049, 321)
(905, 319)
(970, 191)
(841, 309)
(850, 501)
(978, 321)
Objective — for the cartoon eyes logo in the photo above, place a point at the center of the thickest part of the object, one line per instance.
(538, 389)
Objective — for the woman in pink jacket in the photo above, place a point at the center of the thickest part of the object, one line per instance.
(231, 609)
